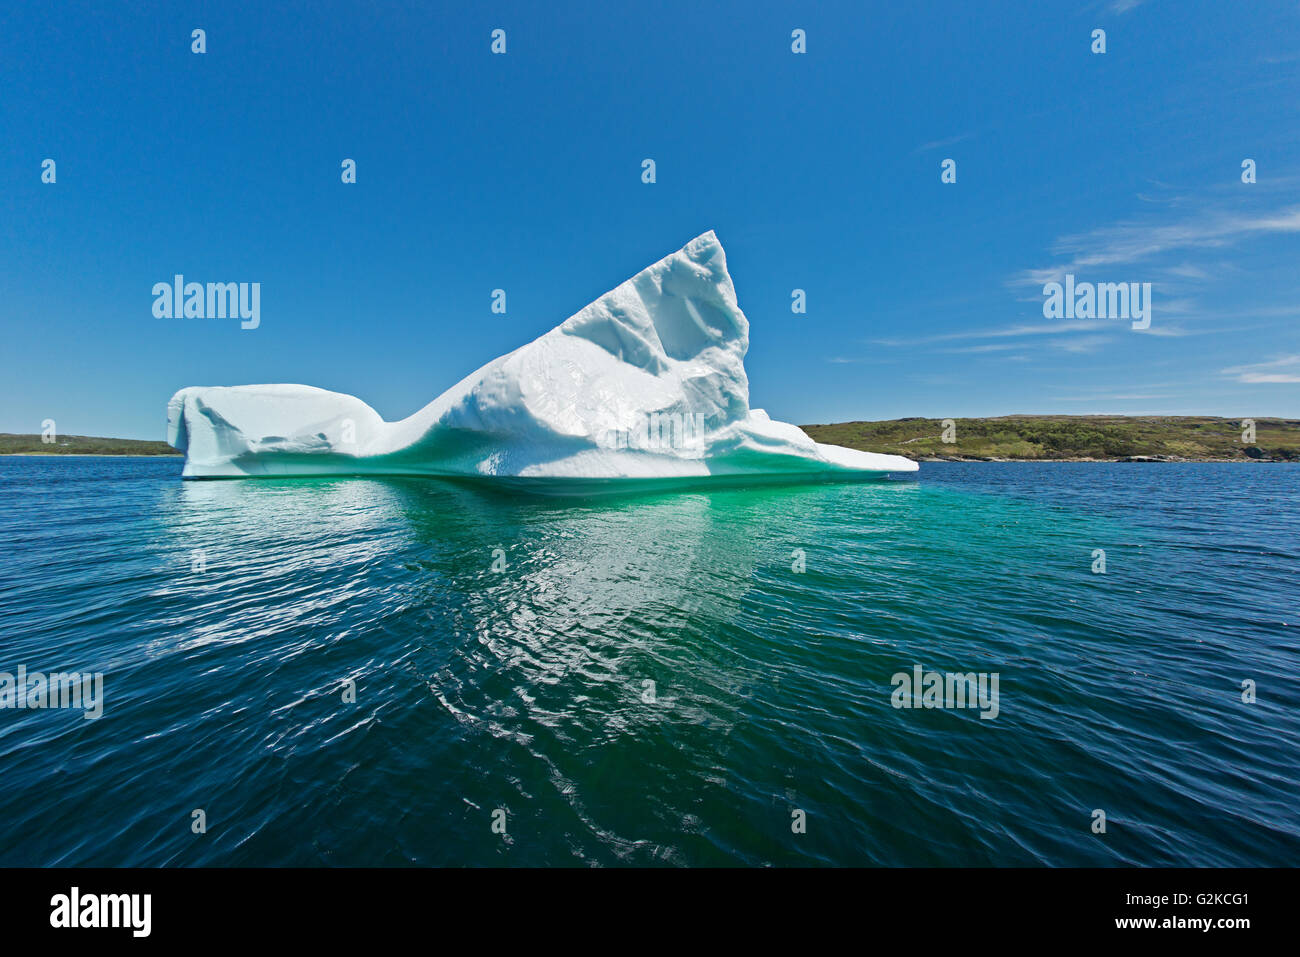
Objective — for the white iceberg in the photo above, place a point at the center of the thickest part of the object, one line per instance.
(646, 383)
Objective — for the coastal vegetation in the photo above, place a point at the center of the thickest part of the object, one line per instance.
(1073, 438)
(12, 444)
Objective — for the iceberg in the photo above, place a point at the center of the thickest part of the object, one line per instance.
(646, 384)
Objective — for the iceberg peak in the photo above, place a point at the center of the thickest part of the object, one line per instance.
(646, 382)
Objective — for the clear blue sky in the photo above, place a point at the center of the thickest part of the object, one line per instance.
(819, 171)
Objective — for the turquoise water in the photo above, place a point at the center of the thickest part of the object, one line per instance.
(524, 689)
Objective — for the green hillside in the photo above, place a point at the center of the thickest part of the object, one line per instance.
(81, 445)
(1064, 437)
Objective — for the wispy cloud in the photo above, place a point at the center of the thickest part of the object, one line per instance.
(1114, 397)
(1134, 242)
(1285, 369)
(939, 144)
(1159, 389)
(1080, 344)
(987, 347)
(1023, 329)
(1188, 271)
(1184, 247)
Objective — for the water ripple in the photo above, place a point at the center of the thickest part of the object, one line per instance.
(660, 680)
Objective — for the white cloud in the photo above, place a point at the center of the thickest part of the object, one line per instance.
(1049, 329)
(1132, 242)
(950, 141)
(1114, 397)
(1080, 344)
(1283, 370)
(987, 347)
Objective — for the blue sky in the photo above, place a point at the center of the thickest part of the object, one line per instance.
(818, 171)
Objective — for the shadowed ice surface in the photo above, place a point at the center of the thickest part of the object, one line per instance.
(526, 689)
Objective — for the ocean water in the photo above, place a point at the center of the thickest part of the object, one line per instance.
(702, 678)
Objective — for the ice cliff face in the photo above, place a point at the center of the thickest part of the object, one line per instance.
(647, 382)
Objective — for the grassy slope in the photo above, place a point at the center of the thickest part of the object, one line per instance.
(1070, 437)
(81, 445)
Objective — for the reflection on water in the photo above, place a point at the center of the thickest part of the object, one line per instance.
(654, 679)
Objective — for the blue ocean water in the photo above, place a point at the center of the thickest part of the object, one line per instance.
(703, 678)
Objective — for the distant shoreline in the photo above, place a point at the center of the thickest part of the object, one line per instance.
(1127, 460)
(30, 444)
(1073, 438)
(1008, 438)
(1130, 460)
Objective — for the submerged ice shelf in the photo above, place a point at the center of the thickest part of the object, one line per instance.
(647, 382)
